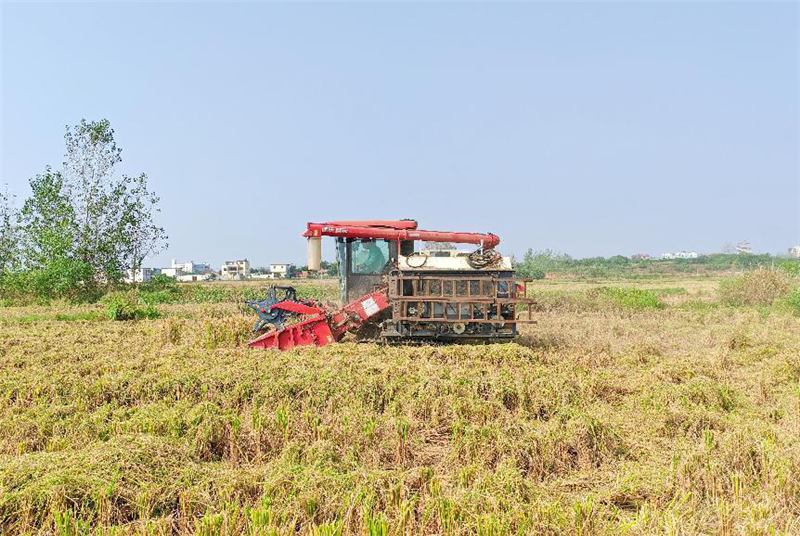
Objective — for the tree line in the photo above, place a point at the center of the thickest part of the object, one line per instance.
(81, 226)
(536, 264)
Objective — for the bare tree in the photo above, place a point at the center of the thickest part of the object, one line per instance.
(91, 157)
(141, 237)
(8, 227)
(114, 217)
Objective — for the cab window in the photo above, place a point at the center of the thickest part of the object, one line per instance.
(369, 256)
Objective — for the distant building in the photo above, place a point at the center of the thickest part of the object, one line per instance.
(192, 267)
(142, 275)
(794, 252)
(640, 257)
(744, 247)
(235, 269)
(680, 255)
(195, 277)
(171, 272)
(280, 270)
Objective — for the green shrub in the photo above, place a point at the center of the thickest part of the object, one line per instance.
(64, 279)
(790, 267)
(793, 301)
(159, 283)
(160, 289)
(757, 288)
(121, 306)
(128, 306)
(630, 297)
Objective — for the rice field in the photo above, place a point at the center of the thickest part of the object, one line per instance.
(605, 417)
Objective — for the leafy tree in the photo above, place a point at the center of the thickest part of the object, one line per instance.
(330, 268)
(81, 226)
(48, 221)
(535, 265)
(47, 231)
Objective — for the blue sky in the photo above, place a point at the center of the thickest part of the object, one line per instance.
(592, 129)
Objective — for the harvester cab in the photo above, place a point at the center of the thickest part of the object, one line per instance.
(394, 292)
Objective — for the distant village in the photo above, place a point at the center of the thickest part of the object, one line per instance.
(240, 270)
(741, 248)
(237, 270)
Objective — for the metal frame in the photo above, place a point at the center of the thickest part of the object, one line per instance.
(432, 289)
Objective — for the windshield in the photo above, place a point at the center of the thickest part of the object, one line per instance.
(369, 257)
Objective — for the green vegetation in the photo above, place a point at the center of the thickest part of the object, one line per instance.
(670, 291)
(31, 318)
(793, 301)
(80, 228)
(170, 292)
(631, 297)
(128, 305)
(535, 265)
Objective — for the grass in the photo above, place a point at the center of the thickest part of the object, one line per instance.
(32, 318)
(611, 415)
(631, 297)
(793, 301)
(601, 298)
(129, 305)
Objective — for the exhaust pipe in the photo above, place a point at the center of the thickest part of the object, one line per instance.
(314, 252)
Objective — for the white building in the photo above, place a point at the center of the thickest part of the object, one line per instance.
(279, 270)
(794, 252)
(195, 277)
(686, 255)
(143, 275)
(235, 269)
(171, 272)
(744, 247)
(680, 255)
(192, 267)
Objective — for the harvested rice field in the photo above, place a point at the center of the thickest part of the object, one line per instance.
(664, 412)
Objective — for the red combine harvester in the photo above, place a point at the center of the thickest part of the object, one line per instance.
(394, 293)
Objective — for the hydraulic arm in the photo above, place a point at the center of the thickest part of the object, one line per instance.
(397, 230)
